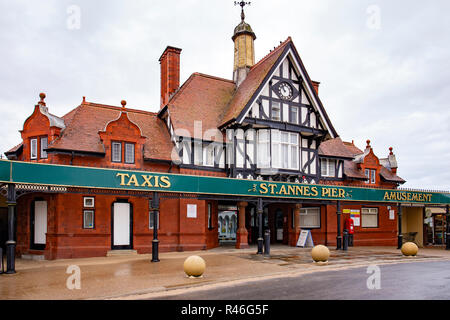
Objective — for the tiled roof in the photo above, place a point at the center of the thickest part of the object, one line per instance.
(352, 148)
(334, 148)
(13, 150)
(252, 82)
(201, 98)
(390, 176)
(84, 122)
(351, 170)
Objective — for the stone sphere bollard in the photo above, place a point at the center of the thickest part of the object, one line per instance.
(320, 254)
(410, 249)
(194, 266)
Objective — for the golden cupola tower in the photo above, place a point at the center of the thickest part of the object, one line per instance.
(244, 49)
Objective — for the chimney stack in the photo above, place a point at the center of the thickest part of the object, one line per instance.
(316, 86)
(170, 73)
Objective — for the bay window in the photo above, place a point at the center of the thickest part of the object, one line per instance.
(263, 148)
(285, 150)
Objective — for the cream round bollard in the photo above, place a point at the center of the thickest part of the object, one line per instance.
(194, 266)
(410, 249)
(320, 253)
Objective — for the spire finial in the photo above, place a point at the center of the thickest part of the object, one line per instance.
(242, 4)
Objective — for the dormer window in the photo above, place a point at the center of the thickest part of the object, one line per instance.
(37, 148)
(328, 167)
(33, 148)
(116, 152)
(44, 145)
(371, 176)
(129, 152)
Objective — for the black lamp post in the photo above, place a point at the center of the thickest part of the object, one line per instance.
(338, 237)
(260, 211)
(11, 244)
(155, 242)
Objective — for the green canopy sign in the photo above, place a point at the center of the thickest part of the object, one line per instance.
(86, 177)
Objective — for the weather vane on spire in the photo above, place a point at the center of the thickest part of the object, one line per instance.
(242, 4)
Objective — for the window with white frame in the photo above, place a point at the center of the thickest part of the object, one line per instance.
(369, 217)
(263, 149)
(276, 111)
(88, 219)
(328, 167)
(310, 218)
(198, 153)
(88, 202)
(44, 145)
(33, 148)
(294, 115)
(209, 155)
(116, 152)
(371, 176)
(129, 152)
(285, 150)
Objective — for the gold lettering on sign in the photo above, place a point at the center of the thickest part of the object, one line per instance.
(147, 181)
(133, 180)
(122, 177)
(407, 196)
(264, 189)
(166, 181)
(272, 187)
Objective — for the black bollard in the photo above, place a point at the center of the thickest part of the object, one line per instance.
(267, 242)
(345, 244)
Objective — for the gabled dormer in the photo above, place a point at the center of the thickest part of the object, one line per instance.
(39, 131)
(123, 140)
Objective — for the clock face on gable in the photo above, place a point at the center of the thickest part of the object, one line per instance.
(285, 91)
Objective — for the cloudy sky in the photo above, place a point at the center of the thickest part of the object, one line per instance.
(384, 66)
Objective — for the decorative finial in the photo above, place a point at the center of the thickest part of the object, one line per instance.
(390, 151)
(368, 144)
(242, 4)
(84, 99)
(42, 96)
(123, 103)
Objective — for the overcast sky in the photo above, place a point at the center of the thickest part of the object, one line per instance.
(384, 66)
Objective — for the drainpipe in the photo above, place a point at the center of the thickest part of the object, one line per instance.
(400, 236)
(338, 237)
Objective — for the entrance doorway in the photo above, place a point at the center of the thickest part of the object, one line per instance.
(227, 224)
(38, 225)
(122, 226)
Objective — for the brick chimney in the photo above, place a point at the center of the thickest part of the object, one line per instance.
(316, 86)
(170, 73)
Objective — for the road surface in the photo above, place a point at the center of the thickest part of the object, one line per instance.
(415, 280)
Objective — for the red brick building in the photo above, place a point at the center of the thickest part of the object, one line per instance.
(268, 123)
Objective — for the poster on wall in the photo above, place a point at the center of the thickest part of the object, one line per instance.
(391, 214)
(356, 216)
(192, 211)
